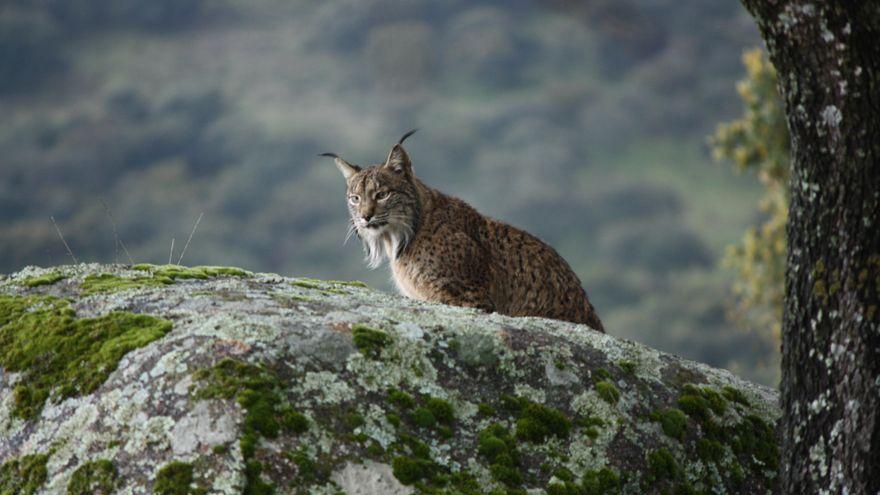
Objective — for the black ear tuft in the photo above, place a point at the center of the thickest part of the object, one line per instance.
(346, 168)
(408, 134)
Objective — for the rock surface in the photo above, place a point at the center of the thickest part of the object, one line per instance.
(266, 384)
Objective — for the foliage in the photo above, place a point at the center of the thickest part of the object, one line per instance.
(759, 142)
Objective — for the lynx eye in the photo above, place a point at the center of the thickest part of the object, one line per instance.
(354, 199)
(381, 195)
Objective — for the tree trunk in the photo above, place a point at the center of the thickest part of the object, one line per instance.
(827, 54)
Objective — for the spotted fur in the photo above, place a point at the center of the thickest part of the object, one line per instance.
(441, 249)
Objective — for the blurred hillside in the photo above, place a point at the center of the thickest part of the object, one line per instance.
(581, 121)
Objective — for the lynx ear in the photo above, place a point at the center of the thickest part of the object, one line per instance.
(398, 161)
(346, 168)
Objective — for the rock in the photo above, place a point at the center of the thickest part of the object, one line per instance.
(215, 380)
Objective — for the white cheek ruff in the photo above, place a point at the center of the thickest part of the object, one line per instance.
(389, 242)
(373, 252)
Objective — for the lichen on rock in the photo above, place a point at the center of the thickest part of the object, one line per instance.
(254, 383)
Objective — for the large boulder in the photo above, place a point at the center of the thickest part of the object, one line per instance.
(163, 379)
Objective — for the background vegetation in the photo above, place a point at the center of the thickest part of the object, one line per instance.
(583, 122)
(758, 142)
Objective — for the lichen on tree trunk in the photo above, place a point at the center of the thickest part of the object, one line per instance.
(827, 55)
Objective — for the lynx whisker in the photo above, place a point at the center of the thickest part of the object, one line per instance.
(352, 229)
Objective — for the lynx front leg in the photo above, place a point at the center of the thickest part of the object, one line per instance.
(457, 293)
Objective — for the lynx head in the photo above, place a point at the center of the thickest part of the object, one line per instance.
(383, 203)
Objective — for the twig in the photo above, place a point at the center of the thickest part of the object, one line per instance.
(170, 256)
(75, 261)
(190, 237)
(116, 237)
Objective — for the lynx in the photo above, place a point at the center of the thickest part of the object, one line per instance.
(441, 249)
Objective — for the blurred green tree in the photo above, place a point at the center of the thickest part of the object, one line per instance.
(758, 141)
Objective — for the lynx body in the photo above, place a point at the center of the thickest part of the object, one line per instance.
(441, 249)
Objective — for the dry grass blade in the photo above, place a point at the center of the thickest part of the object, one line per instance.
(171, 256)
(116, 238)
(57, 229)
(196, 226)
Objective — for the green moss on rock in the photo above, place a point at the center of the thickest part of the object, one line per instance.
(600, 482)
(755, 440)
(294, 421)
(537, 422)
(409, 470)
(174, 272)
(159, 275)
(698, 401)
(61, 354)
(665, 471)
(369, 341)
(752, 440)
(176, 478)
(258, 391)
(106, 282)
(423, 417)
(350, 283)
(412, 465)
(401, 399)
(601, 374)
(735, 395)
(47, 279)
(673, 421)
(254, 482)
(663, 466)
(326, 286)
(498, 447)
(441, 409)
(308, 470)
(593, 482)
(710, 450)
(93, 478)
(608, 392)
(484, 409)
(24, 475)
(628, 367)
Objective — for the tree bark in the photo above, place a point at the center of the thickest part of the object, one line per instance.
(827, 54)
